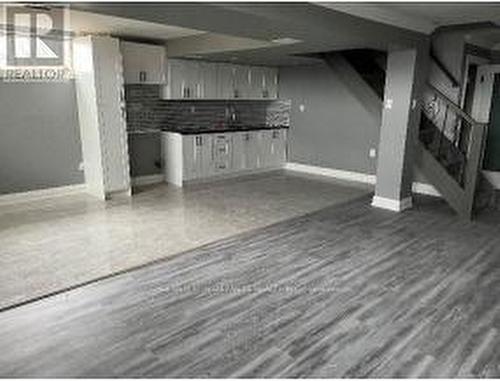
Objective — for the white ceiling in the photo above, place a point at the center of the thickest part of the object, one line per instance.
(422, 17)
(86, 22)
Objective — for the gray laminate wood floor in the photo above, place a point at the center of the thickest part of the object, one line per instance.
(346, 291)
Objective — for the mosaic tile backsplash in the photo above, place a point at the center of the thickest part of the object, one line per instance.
(146, 110)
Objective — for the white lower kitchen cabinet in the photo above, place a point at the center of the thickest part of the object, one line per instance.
(272, 148)
(210, 155)
(186, 157)
(222, 149)
(197, 156)
(246, 151)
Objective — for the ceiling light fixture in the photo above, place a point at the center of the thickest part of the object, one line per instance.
(285, 41)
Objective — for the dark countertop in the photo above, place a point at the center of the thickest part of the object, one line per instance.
(204, 130)
(220, 130)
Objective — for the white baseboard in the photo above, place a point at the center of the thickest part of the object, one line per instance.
(330, 172)
(231, 175)
(390, 204)
(493, 177)
(427, 189)
(417, 187)
(39, 194)
(148, 180)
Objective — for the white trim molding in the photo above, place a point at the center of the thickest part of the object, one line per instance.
(39, 194)
(427, 189)
(330, 172)
(493, 177)
(417, 187)
(148, 180)
(391, 204)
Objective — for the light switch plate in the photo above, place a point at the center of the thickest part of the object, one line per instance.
(302, 108)
(372, 153)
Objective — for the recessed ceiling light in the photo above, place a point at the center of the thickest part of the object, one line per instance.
(285, 41)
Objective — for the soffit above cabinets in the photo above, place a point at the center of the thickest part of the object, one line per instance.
(93, 23)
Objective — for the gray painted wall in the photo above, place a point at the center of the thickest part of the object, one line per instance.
(335, 130)
(39, 136)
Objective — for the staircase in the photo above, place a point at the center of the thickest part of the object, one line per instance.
(450, 153)
(363, 75)
(371, 66)
(450, 145)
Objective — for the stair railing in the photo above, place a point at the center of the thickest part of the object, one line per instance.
(455, 140)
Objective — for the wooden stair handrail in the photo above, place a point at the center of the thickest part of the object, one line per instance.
(454, 106)
(463, 200)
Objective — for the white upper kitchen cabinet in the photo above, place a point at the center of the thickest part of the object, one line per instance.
(191, 79)
(262, 83)
(101, 112)
(143, 63)
(188, 79)
(234, 81)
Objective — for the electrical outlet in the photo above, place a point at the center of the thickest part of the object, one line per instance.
(372, 153)
(81, 166)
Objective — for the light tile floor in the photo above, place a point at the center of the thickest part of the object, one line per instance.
(61, 242)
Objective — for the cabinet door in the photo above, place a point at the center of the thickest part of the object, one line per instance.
(208, 80)
(238, 153)
(197, 156)
(258, 79)
(131, 62)
(176, 83)
(264, 144)
(242, 88)
(225, 81)
(244, 153)
(277, 154)
(222, 153)
(192, 80)
(206, 164)
(143, 63)
(189, 157)
(271, 83)
(249, 151)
